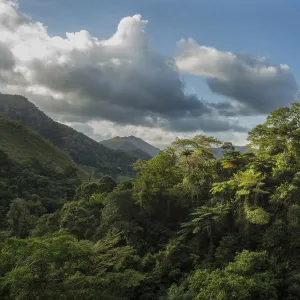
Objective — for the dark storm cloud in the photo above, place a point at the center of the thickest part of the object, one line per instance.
(147, 92)
(232, 109)
(104, 89)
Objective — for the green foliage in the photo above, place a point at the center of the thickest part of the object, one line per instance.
(38, 190)
(105, 185)
(97, 159)
(77, 220)
(60, 266)
(258, 216)
(188, 226)
(26, 146)
(249, 277)
(19, 218)
(155, 178)
(200, 146)
(204, 218)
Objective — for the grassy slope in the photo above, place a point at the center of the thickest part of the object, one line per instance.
(23, 145)
(82, 149)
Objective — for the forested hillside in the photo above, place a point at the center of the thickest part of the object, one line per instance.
(81, 148)
(24, 145)
(188, 226)
(35, 176)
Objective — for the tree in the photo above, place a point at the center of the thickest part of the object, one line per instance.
(19, 219)
(59, 266)
(77, 220)
(105, 185)
(249, 277)
(200, 146)
(121, 213)
(206, 220)
(279, 135)
(155, 178)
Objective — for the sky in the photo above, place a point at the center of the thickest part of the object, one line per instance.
(156, 69)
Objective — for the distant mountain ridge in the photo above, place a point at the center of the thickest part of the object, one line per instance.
(84, 150)
(133, 145)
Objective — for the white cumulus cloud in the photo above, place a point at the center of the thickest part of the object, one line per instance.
(253, 82)
(80, 78)
(122, 84)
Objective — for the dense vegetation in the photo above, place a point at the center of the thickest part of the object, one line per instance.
(189, 226)
(35, 176)
(24, 145)
(94, 157)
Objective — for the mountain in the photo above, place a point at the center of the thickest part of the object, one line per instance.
(93, 156)
(25, 146)
(133, 145)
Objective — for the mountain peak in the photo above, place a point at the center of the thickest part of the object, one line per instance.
(133, 145)
(84, 150)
